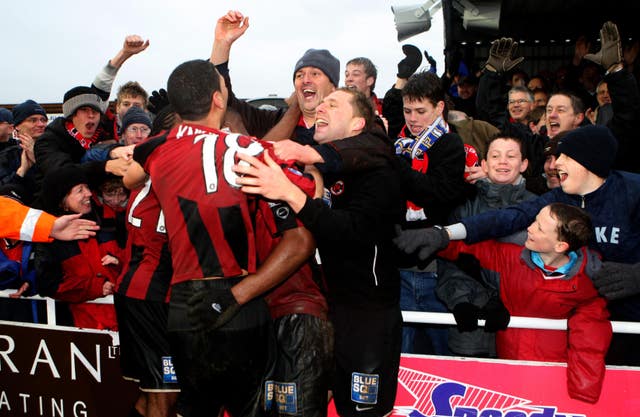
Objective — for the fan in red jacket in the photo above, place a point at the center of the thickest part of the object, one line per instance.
(549, 278)
(77, 271)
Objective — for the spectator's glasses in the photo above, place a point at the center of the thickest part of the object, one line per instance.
(135, 130)
(118, 192)
(519, 101)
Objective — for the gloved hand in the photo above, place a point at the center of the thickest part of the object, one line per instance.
(616, 280)
(466, 315)
(158, 100)
(610, 52)
(209, 311)
(502, 55)
(428, 241)
(410, 63)
(431, 61)
(495, 314)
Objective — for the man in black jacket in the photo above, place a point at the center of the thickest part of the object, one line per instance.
(432, 160)
(353, 236)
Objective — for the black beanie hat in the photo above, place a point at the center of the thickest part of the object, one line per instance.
(26, 109)
(82, 96)
(135, 115)
(57, 185)
(593, 147)
(322, 59)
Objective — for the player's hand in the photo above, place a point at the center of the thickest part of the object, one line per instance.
(208, 311)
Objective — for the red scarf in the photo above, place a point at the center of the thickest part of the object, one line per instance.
(84, 142)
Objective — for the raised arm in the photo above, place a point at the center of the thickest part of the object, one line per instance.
(133, 44)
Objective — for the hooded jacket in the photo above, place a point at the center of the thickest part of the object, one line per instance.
(525, 291)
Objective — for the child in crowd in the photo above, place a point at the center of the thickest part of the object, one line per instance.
(548, 278)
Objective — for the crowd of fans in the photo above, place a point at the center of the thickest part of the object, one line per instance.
(386, 190)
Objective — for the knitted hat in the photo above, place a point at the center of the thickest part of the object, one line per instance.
(135, 115)
(26, 109)
(323, 60)
(5, 116)
(82, 96)
(593, 147)
(57, 185)
(551, 148)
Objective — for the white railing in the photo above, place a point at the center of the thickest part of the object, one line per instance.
(51, 303)
(515, 322)
(408, 316)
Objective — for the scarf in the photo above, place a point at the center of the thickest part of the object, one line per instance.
(84, 142)
(415, 150)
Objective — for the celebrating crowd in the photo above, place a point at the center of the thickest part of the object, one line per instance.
(269, 253)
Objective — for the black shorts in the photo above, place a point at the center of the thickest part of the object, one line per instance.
(223, 367)
(302, 377)
(367, 357)
(145, 355)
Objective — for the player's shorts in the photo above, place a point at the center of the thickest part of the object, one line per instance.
(145, 354)
(367, 357)
(223, 367)
(304, 363)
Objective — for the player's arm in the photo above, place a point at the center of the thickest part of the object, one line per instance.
(293, 250)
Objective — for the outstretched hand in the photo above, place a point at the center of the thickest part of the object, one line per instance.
(425, 241)
(72, 227)
(610, 52)
(502, 55)
(231, 26)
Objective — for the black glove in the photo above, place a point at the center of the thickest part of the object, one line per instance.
(495, 314)
(158, 100)
(502, 55)
(611, 47)
(466, 315)
(428, 241)
(616, 280)
(410, 63)
(431, 61)
(206, 310)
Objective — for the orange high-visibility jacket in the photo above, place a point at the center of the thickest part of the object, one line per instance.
(24, 223)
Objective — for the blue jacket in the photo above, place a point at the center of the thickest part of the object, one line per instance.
(614, 209)
(615, 213)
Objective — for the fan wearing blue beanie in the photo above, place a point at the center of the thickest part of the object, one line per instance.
(136, 126)
(30, 118)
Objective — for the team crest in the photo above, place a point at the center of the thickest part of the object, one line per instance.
(337, 188)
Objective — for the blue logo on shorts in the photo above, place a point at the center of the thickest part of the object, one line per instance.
(364, 388)
(168, 373)
(283, 395)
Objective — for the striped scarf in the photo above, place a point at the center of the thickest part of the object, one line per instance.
(415, 150)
